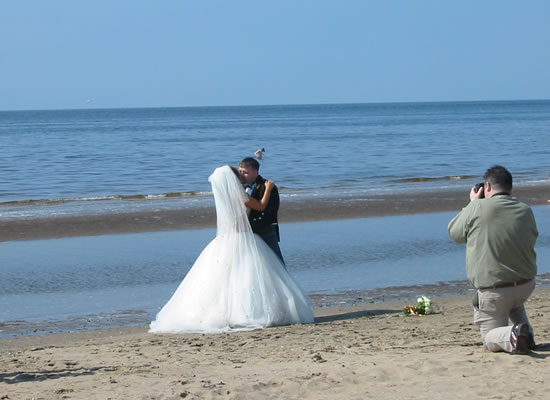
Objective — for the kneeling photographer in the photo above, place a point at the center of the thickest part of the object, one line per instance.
(500, 234)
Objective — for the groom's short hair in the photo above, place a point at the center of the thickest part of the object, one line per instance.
(251, 163)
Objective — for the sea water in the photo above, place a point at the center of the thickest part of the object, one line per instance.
(76, 162)
(119, 280)
(114, 160)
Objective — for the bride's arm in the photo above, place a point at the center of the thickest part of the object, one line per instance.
(262, 204)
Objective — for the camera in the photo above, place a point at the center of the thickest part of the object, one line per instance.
(478, 186)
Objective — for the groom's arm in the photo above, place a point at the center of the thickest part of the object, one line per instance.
(273, 206)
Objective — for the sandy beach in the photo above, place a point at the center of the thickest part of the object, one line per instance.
(373, 351)
(360, 351)
(312, 209)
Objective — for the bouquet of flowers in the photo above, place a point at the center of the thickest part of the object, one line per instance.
(423, 307)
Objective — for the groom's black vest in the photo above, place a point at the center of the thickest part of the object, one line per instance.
(266, 221)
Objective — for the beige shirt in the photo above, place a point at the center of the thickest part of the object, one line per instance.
(500, 235)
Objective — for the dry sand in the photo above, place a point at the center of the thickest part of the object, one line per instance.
(367, 352)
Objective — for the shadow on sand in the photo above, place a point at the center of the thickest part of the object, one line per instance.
(353, 315)
(17, 377)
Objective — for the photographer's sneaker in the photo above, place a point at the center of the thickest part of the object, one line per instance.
(519, 338)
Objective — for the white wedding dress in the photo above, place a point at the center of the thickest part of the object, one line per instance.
(237, 283)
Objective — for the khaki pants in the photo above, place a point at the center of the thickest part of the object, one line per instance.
(494, 307)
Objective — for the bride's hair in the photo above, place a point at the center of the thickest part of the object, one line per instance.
(235, 170)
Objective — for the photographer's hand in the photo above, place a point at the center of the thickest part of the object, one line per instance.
(479, 194)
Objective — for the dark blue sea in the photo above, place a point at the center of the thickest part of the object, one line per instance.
(87, 161)
(76, 162)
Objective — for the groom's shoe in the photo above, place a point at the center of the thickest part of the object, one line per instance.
(519, 338)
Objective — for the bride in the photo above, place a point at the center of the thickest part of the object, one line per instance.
(237, 283)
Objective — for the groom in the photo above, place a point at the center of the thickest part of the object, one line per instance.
(264, 223)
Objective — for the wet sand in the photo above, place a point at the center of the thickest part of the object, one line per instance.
(314, 209)
(369, 351)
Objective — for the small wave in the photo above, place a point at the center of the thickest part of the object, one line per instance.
(41, 202)
(289, 189)
(45, 202)
(433, 178)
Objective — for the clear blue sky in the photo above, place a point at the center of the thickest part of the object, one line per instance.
(135, 53)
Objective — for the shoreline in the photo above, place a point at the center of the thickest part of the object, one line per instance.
(368, 351)
(323, 304)
(321, 314)
(292, 210)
